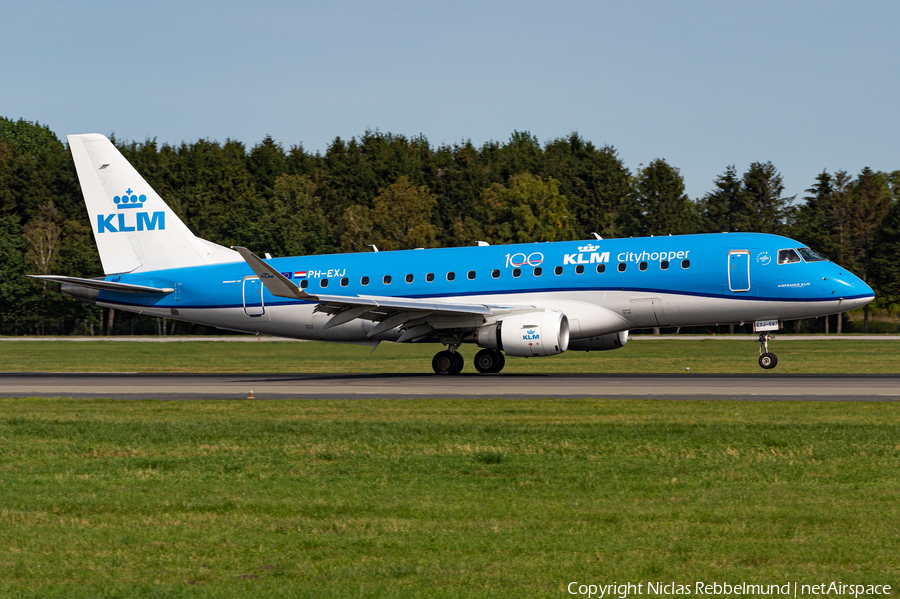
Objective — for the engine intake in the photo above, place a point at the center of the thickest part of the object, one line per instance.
(543, 333)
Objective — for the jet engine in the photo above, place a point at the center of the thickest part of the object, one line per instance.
(540, 333)
(601, 342)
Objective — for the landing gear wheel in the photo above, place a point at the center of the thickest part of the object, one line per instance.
(489, 361)
(444, 362)
(768, 360)
(458, 363)
(501, 363)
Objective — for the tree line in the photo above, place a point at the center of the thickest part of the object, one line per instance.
(400, 192)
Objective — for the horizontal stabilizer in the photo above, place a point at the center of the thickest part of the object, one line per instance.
(102, 285)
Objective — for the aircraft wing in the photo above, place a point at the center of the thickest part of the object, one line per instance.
(388, 310)
(102, 285)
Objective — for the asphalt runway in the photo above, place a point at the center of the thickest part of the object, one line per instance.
(759, 386)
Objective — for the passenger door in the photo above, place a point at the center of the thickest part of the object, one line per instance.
(739, 270)
(253, 298)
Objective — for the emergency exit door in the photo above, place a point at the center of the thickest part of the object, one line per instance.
(739, 270)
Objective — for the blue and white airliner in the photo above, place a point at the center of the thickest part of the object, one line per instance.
(533, 299)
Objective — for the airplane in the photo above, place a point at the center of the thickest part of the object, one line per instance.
(525, 300)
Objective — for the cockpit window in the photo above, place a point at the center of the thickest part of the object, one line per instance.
(788, 257)
(811, 256)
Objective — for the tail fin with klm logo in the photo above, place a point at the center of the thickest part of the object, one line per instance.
(134, 229)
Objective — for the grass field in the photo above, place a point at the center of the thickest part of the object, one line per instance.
(712, 355)
(441, 498)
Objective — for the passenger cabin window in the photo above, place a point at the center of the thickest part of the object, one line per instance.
(323, 283)
(685, 264)
(622, 266)
(538, 270)
(642, 266)
(364, 281)
(409, 278)
(304, 283)
(579, 269)
(601, 268)
(558, 270)
(811, 256)
(429, 277)
(451, 275)
(788, 256)
(517, 272)
(387, 279)
(471, 275)
(664, 265)
(495, 274)
(345, 281)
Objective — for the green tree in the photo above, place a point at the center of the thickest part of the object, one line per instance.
(527, 209)
(724, 209)
(14, 287)
(886, 249)
(265, 163)
(594, 180)
(767, 211)
(458, 175)
(300, 224)
(658, 204)
(870, 204)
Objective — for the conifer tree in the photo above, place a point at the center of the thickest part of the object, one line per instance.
(659, 205)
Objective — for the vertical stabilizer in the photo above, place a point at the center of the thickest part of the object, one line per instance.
(134, 228)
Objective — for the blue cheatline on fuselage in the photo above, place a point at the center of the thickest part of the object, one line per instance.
(696, 266)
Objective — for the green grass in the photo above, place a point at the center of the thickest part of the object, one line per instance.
(713, 355)
(490, 498)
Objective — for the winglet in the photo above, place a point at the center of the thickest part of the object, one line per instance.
(277, 284)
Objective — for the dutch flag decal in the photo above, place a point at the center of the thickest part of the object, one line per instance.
(300, 274)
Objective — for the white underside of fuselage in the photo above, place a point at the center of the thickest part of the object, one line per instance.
(590, 314)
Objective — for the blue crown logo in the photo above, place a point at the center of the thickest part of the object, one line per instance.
(588, 248)
(128, 200)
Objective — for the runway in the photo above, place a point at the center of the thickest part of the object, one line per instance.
(760, 386)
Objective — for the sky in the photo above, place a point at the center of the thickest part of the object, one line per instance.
(702, 84)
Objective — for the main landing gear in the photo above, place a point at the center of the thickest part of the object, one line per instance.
(489, 361)
(449, 361)
(766, 359)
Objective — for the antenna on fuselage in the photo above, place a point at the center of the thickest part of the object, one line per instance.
(482, 244)
(597, 235)
(373, 246)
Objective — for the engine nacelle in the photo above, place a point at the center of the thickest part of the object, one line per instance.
(540, 333)
(601, 343)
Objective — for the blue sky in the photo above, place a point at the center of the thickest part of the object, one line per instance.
(702, 84)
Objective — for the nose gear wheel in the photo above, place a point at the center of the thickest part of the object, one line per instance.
(767, 359)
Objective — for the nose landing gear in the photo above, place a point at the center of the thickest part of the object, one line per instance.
(766, 359)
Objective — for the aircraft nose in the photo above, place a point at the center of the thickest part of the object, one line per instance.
(850, 285)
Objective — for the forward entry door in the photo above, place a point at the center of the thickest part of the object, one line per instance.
(739, 270)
